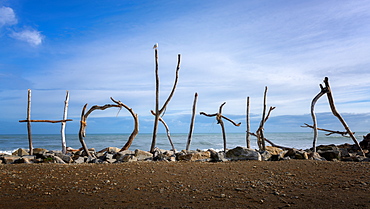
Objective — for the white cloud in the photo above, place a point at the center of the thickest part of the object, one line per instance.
(7, 16)
(31, 36)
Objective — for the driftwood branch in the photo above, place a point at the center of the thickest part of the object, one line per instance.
(136, 125)
(314, 100)
(82, 132)
(167, 130)
(29, 122)
(47, 121)
(219, 117)
(158, 111)
(119, 104)
(343, 133)
(247, 137)
(63, 126)
(192, 121)
(336, 114)
(272, 144)
(260, 137)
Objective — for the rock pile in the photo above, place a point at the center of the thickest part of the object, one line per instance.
(345, 152)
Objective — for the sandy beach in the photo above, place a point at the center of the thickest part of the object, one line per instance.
(239, 184)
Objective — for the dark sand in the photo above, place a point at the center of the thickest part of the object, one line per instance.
(243, 184)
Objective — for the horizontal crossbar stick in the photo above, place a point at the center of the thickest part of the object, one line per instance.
(47, 121)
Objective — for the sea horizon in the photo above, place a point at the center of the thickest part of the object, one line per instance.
(203, 141)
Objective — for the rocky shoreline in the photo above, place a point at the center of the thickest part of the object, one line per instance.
(345, 152)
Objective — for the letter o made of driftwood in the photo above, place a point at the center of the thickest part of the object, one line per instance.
(118, 104)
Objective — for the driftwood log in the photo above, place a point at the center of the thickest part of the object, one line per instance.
(158, 111)
(219, 117)
(192, 121)
(272, 144)
(327, 90)
(314, 100)
(135, 132)
(63, 126)
(336, 114)
(83, 124)
(29, 121)
(343, 133)
(167, 130)
(260, 130)
(247, 137)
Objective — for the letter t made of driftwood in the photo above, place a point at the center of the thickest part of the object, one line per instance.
(219, 117)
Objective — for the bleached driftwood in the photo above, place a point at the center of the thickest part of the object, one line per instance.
(167, 130)
(29, 121)
(135, 132)
(260, 130)
(343, 133)
(247, 137)
(336, 114)
(63, 126)
(219, 117)
(158, 111)
(192, 121)
(84, 116)
(314, 100)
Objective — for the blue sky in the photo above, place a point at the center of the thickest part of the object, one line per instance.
(230, 50)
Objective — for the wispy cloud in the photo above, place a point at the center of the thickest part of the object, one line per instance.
(7, 16)
(9, 21)
(31, 36)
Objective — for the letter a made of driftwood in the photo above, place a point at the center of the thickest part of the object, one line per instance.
(159, 111)
(119, 104)
(327, 90)
(219, 117)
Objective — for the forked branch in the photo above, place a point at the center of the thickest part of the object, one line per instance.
(219, 117)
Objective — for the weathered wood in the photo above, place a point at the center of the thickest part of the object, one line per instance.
(63, 126)
(82, 133)
(136, 125)
(343, 133)
(47, 121)
(29, 123)
(219, 117)
(167, 130)
(313, 115)
(157, 114)
(272, 144)
(159, 111)
(260, 134)
(192, 122)
(247, 137)
(336, 114)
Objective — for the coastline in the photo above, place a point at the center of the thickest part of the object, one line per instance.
(236, 184)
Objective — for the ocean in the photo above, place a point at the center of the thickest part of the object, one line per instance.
(302, 140)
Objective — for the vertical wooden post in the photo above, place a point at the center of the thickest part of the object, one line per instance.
(29, 123)
(62, 131)
(336, 114)
(157, 113)
(248, 140)
(314, 100)
(192, 121)
(81, 133)
(261, 137)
